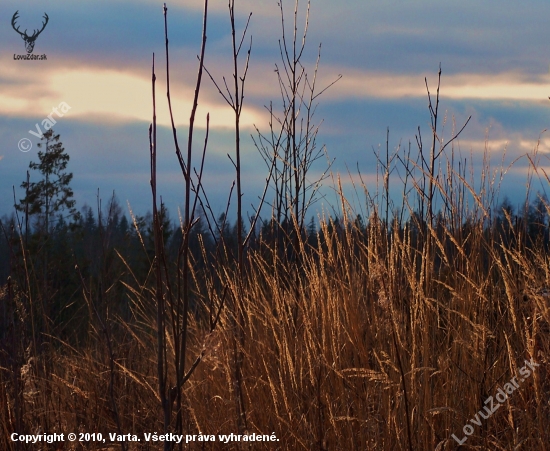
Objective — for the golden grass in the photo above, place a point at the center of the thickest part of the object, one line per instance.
(371, 338)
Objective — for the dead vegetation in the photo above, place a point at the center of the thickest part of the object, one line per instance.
(379, 335)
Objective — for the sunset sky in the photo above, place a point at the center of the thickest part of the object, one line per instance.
(495, 67)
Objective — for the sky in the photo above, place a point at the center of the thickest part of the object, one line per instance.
(493, 55)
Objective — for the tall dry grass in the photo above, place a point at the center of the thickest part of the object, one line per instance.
(386, 336)
(367, 352)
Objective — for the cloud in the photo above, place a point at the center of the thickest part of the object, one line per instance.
(108, 95)
(503, 86)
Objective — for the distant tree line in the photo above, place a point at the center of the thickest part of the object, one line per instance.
(106, 247)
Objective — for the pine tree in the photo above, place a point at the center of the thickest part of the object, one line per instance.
(47, 200)
(52, 195)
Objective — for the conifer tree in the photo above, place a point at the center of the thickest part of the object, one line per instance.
(48, 201)
(51, 195)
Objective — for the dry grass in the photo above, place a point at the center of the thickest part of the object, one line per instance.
(385, 337)
(338, 352)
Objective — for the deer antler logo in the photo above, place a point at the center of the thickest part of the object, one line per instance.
(29, 40)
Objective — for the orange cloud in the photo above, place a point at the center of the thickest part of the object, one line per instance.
(118, 95)
(511, 86)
